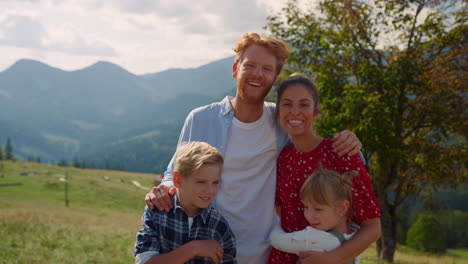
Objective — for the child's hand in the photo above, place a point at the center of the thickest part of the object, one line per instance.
(209, 248)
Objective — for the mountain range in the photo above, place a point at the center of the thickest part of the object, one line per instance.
(103, 114)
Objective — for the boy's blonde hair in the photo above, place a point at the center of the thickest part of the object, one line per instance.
(328, 187)
(190, 156)
(276, 46)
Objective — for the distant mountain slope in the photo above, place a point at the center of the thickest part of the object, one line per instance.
(213, 78)
(56, 114)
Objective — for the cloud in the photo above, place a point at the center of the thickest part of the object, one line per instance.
(238, 15)
(142, 36)
(163, 8)
(139, 7)
(27, 31)
(24, 1)
(202, 16)
(143, 25)
(21, 31)
(68, 38)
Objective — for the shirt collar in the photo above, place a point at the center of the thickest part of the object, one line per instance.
(226, 104)
(203, 212)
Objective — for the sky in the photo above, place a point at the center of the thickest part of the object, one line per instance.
(142, 36)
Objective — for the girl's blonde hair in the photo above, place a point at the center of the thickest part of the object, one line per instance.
(189, 157)
(328, 187)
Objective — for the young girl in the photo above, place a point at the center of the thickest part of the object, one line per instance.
(297, 108)
(327, 197)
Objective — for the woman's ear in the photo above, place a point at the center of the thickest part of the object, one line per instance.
(317, 112)
(176, 179)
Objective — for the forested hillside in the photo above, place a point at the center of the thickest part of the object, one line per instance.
(103, 116)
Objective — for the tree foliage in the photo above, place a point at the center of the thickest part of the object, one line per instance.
(454, 223)
(452, 220)
(9, 150)
(426, 235)
(393, 71)
(62, 163)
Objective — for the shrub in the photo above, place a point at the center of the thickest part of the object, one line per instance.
(426, 235)
(453, 224)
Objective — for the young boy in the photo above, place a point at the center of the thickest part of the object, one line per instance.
(192, 231)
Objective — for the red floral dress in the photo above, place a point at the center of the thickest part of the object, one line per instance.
(293, 169)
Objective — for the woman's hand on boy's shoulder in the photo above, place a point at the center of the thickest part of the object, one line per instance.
(346, 142)
(160, 197)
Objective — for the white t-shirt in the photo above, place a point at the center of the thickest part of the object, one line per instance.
(247, 192)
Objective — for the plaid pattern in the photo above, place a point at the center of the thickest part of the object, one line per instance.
(163, 232)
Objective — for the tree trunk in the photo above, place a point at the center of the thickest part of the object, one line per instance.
(386, 244)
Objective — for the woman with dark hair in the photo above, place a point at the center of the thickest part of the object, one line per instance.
(297, 108)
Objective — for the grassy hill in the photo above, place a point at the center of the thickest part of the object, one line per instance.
(100, 224)
(98, 227)
(93, 189)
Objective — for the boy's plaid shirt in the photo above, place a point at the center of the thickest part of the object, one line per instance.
(163, 232)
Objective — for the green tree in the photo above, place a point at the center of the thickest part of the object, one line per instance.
(76, 163)
(9, 150)
(63, 163)
(393, 71)
(426, 235)
(453, 222)
(1, 153)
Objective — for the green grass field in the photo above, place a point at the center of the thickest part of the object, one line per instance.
(99, 225)
(101, 222)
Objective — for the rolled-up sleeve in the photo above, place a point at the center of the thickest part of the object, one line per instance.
(148, 238)
(142, 258)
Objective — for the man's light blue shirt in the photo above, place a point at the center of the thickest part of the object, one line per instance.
(211, 124)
